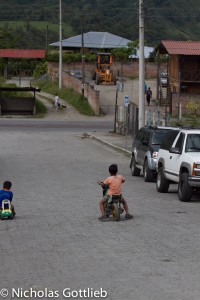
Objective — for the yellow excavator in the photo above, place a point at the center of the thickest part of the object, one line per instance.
(104, 74)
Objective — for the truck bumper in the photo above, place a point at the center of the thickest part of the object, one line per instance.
(194, 181)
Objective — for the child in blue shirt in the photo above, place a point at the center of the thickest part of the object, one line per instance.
(6, 194)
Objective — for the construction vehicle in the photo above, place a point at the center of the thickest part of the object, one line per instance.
(104, 74)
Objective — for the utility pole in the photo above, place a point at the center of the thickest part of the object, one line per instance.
(60, 45)
(116, 98)
(47, 37)
(82, 52)
(141, 66)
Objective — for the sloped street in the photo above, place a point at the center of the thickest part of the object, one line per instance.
(56, 242)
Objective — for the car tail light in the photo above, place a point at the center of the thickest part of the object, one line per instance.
(154, 154)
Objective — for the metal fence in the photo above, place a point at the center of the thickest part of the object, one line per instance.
(157, 117)
(127, 118)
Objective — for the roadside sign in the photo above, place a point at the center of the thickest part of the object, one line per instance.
(126, 101)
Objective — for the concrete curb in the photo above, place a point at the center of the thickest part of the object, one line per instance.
(117, 148)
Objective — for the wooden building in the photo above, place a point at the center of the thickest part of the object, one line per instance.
(183, 70)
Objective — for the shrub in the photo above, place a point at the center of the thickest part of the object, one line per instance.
(40, 69)
(40, 107)
(193, 117)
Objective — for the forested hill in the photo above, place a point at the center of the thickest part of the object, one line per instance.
(31, 23)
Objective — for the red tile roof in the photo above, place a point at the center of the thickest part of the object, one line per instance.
(22, 53)
(181, 47)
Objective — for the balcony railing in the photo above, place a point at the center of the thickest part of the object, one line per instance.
(191, 76)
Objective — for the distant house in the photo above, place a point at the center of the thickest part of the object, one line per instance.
(93, 41)
(147, 52)
(183, 68)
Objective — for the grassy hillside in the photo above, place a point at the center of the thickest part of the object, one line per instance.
(45, 27)
(164, 19)
(40, 25)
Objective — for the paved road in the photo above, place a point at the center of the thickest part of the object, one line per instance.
(50, 125)
(131, 88)
(57, 242)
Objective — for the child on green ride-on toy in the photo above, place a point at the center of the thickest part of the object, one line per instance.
(6, 194)
(114, 183)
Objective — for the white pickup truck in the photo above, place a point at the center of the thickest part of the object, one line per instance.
(178, 161)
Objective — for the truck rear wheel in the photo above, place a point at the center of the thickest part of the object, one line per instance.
(134, 170)
(148, 174)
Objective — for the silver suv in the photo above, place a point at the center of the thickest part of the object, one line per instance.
(144, 150)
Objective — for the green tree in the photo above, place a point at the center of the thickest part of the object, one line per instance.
(41, 68)
(7, 38)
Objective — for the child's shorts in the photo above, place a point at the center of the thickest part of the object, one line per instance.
(108, 198)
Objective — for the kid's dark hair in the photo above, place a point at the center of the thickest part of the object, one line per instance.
(7, 185)
(113, 169)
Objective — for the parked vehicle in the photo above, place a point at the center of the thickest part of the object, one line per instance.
(179, 162)
(104, 73)
(144, 150)
(163, 79)
(76, 73)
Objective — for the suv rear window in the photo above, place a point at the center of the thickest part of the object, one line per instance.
(158, 137)
(169, 139)
(141, 134)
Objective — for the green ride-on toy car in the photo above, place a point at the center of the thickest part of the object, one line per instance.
(6, 212)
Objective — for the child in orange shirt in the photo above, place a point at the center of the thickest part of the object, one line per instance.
(114, 183)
